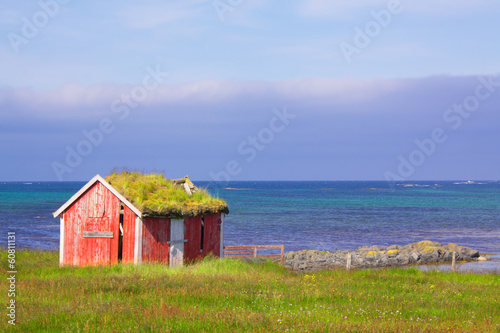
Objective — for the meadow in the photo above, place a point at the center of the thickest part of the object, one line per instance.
(242, 296)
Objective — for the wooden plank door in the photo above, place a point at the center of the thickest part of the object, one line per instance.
(97, 235)
(176, 249)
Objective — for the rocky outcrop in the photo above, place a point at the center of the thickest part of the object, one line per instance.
(424, 252)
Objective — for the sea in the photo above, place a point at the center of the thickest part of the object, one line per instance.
(302, 215)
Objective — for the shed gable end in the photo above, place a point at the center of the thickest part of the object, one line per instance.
(92, 240)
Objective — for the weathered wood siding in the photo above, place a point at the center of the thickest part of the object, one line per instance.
(97, 210)
(128, 235)
(212, 235)
(193, 235)
(155, 235)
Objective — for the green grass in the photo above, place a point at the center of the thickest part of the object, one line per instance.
(237, 296)
(155, 195)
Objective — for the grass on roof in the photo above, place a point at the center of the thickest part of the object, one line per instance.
(155, 195)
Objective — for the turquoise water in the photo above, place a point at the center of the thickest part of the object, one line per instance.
(301, 215)
(345, 215)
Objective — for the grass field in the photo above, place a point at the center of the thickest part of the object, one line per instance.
(237, 296)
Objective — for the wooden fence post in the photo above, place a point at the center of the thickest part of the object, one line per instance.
(453, 261)
(348, 265)
(255, 252)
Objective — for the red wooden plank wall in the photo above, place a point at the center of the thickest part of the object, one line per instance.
(155, 235)
(96, 210)
(69, 235)
(128, 235)
(193, 235)
(212, 235)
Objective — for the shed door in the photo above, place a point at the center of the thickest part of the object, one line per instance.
(97, 235)
(176, 242)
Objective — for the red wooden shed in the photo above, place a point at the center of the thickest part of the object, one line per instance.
(102, 224)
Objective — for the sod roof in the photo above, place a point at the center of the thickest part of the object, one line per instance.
(154, 195)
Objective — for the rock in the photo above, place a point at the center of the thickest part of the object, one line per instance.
(429, 256)
(448, 256)
(426, 243)
(369, 248)
(403, 259)
(299, 265)
(423, 252)
(462, 251)
(383, 261)
(483, 258)
(414, 257)
(472, 253)
(393, 252)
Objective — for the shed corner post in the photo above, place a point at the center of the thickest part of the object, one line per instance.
(138, 241)
(221, 253)
(61, 240)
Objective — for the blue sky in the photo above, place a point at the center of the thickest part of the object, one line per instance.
(249, 90)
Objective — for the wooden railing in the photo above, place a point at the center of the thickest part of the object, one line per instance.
(249, 251)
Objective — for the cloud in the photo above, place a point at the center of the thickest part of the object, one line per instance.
(355, 128)
(346, 95)
(76, 101)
